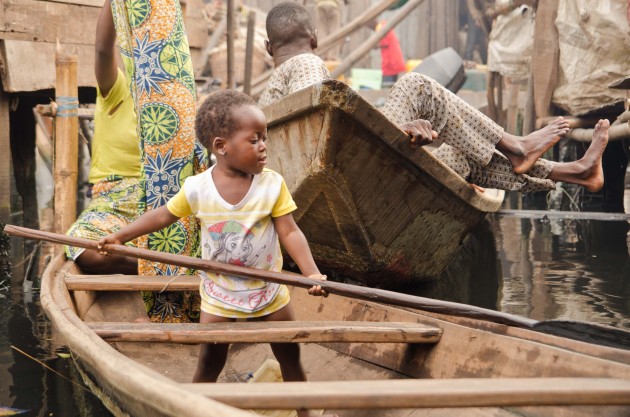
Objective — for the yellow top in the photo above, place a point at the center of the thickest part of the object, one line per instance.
(115, 147)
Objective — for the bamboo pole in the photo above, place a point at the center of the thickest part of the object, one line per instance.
(616, 132)
(249, 52)
(358, 53)
(230, 44)
(66, 140)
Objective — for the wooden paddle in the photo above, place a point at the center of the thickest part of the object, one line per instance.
(588, 332)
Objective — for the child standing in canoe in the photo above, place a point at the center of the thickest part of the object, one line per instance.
(245, 213)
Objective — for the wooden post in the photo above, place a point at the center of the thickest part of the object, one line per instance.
(66, 140)
(217, 35)
(6, 169)
(544, 66)
(230, 44)
(249, 52)
(529, 116)
(375, 38)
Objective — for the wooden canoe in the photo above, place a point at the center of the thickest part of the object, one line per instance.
(362, 358)
(373, 209)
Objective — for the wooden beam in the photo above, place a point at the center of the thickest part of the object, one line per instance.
(49, 110)
(132, 282)
(420, 393)
(47, 21)
(19, 73)
(269, 332)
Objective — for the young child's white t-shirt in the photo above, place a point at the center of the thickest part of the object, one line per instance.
(241, 234)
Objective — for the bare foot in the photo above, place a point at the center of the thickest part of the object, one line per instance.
(523, 152)
(588, 171)
(593, 175)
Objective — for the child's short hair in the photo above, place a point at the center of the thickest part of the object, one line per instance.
(286, 22)
(216, 117)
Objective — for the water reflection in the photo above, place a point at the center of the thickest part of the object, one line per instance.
(26, 384)
(564, 269)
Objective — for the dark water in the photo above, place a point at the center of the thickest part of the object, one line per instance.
(538, 268)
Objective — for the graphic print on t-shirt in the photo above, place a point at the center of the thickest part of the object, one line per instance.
(233, 243)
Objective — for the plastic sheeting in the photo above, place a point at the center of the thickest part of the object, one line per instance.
(594, 40)
(511, 42)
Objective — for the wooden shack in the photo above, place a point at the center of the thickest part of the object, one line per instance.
(29, 33)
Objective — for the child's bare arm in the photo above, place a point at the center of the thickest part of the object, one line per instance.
(294, 242)
(151, 221)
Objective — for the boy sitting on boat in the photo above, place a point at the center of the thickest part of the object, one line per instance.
(245, 213)
(474, 146)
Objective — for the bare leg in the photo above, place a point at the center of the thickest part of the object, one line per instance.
(212, 356)
(94, 263)
(588, 171)
(523, 152)
(288, 354)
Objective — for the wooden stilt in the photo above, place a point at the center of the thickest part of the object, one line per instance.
(6, 169)
(231, 23)
(66, 140)
(249, 52)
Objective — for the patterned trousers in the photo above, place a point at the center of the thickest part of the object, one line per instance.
(469, 136)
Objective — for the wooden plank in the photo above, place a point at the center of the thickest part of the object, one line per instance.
(420, 393)
(269, 332)
(20, 74)
(46, 21)
(132, 282)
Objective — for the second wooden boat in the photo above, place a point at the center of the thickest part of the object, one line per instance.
(372, 208)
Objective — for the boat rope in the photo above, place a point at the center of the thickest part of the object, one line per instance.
(168, 283)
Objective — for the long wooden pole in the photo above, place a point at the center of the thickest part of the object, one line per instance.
(592, 333)
(66, 140)
(354, 291)
(358, 53)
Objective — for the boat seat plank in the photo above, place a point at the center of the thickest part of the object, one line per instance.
(269, 332)
(420, 393)
(77, 282)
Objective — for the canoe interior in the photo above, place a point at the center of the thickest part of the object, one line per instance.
(372, 208)
(467, 349)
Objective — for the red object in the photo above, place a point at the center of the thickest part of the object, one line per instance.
(392, 61)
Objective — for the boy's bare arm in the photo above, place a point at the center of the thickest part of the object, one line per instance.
(151, 221)
(294, 242)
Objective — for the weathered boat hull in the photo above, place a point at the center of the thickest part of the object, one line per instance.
(146, 379)
(372, 208)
